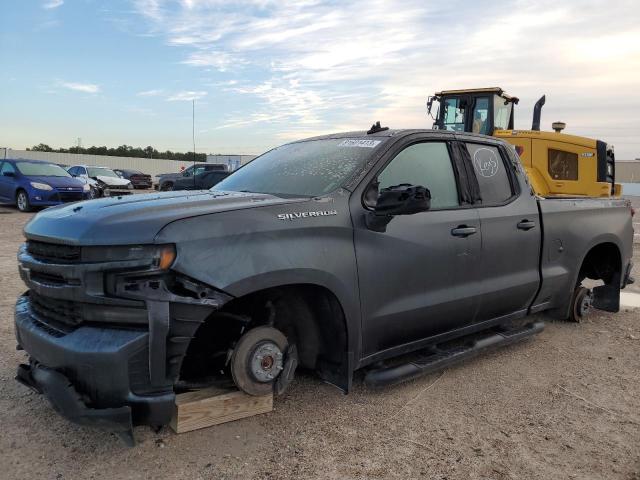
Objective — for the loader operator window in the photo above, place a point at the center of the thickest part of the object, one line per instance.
(563, 165)
(425, 164)
(501, 113)
(480, 115)
(453, 115)
(491, 172)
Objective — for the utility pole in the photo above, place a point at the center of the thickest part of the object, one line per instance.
(193, 137)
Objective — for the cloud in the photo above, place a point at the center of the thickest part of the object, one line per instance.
(221, 61)
(81, 87)
(51, 4)
(309, 65)
(186, 96)
(150, 93)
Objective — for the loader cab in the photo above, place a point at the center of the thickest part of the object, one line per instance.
(481, 110)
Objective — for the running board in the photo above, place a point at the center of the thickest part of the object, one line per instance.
(437, 358)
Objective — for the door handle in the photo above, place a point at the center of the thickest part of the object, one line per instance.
(463, 231)
(526, 225)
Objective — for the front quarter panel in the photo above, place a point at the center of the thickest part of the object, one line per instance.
(248, 250)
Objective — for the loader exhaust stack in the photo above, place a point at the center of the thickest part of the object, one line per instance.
(537, 110)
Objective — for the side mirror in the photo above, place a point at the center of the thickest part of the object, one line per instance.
(9, 174)
(403, 199)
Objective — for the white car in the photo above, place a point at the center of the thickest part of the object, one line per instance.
(103, 181)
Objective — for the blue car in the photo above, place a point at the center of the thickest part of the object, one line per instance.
(29, 183)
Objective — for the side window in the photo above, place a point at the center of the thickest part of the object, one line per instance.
(73, 171)
(453, 115)
(82, 171)
(491, 171)
(427, 164)
(7, 167)
(563, 165)
(480, 116)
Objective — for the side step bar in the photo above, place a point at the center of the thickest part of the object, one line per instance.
(437, 359)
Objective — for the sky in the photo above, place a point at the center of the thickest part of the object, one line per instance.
(266, 72)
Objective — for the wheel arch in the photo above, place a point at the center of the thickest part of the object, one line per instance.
(593, 264)
(310, 315)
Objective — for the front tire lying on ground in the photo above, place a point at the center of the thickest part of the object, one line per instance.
(258, 359)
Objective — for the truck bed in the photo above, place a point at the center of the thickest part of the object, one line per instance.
(570, 228)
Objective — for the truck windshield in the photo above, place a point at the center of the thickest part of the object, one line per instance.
(311, 168)
(33, 169)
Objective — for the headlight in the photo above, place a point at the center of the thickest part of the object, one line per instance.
(130, 186)
(160, 257)
(86, 187)
(41, 186)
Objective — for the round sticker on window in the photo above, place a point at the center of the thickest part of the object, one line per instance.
(485, 162)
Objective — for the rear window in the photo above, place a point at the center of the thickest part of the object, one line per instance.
(491, 172)
(311, 168)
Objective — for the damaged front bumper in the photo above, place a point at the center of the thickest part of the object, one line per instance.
(106, 339)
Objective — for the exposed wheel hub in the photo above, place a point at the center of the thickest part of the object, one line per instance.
(585, 304)
(266, 362)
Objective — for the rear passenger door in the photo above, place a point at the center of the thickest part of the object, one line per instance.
(511, 235)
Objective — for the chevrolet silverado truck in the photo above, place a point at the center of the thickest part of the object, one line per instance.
(395, 251)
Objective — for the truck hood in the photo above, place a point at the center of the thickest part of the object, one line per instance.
(135, 219)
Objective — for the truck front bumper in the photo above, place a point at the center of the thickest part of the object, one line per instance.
(89, 374)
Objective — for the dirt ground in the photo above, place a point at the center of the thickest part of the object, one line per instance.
(563, 405)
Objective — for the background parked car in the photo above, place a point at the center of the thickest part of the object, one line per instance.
(29, 183)
(166, 180)
(136, 177)
(103, 181)
(202, 181)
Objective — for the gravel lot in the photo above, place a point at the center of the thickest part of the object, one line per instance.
(563, 405)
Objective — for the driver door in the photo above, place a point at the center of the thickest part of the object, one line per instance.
(418, 278)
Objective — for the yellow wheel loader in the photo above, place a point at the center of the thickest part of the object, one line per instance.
(557, 164)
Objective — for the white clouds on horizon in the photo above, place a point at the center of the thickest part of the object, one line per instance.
(51, 4)
(186, 96)
(156, 92)
(81, 87)
(310, 66)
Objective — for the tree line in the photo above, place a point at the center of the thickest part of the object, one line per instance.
(124, 151)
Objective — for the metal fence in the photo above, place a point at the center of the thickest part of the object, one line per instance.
(628, 171)
(151, 166)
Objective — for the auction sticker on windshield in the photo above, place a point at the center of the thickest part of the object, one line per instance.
(359, 143)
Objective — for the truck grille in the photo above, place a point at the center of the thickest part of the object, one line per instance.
(53, 311)
(52, 251)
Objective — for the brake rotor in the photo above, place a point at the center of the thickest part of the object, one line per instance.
(258, 360)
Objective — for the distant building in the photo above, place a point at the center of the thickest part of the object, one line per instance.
(233, 162)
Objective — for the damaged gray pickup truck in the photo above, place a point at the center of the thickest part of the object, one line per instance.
(330, 254)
